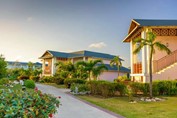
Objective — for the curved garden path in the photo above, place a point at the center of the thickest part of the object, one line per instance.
(74, 108)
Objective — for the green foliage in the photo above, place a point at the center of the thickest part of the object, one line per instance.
(122, 78)
(4, 81)
(105, 88)
(121, 88)
(34, 78)
(93, 67)
(69, 81)
(116, 61)
(162, 87)
(29, 84)
(20, 104)
(3, 65)
(47, 79)
(23, 77)
(58, 80)
(81, 87)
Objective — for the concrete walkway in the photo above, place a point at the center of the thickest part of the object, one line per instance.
(72, 107)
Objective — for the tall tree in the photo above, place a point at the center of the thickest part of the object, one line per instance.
(93, 67)
(152, 44)
(3, 67)
(116, 61)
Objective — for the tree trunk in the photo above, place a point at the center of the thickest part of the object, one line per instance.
(150, 72)
(118, 70)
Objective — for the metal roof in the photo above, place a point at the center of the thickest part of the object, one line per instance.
(156, 22)
(22, 63)
(114, 68)
(83, 53)
(59, 54)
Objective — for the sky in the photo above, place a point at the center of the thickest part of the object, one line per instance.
(30, 27)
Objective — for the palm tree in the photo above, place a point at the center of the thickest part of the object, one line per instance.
(116, 61)
(93, 67)
(150, 41)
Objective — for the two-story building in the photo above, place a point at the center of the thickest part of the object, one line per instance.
(49, 58)
(164, 66)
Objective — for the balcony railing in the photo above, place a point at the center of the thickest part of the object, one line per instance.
(165, 61)
(137, 68)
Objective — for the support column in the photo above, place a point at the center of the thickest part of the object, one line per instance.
(53, 68)
(131, 56)
(144, 57)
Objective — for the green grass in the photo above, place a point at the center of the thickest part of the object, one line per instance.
(120, 105)
(55, 85)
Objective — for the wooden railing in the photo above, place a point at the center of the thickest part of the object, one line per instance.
(165, 61)
(137, 68)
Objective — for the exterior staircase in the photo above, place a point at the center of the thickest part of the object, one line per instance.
(165, 63)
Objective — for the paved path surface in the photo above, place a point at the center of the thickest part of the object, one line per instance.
(72, 107)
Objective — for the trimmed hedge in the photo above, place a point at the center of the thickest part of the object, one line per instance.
(162, 87)
(68, 82)
(106, 88)
(81, 87)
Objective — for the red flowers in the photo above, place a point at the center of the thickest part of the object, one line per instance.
(59, 97)
(50, 115)
(36, 89)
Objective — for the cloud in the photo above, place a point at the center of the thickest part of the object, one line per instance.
(97, 45)
(29, 19)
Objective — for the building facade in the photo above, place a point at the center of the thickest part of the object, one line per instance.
(24, 65)
(164, 66)
(49, 58)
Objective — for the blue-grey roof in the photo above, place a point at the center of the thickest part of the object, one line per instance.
(149, 22)
(59, 54)
(114, 68)
(83, 53)
(86, 53)
(23, 63)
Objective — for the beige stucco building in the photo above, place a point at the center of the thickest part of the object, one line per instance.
(164, 66)
(49, 58)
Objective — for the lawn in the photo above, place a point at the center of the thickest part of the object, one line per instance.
(120, 105)
(55, 85)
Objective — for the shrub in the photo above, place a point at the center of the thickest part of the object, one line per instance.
(34, 78)
(105, 88)
(161, 87)
(139, 88)
(30, 84)
(33, 104)
(69, 82)
(121, 88)
(4, 81)
(23, 77)
(81, 87)
(122, 78)
(47, 79)
(58, 80)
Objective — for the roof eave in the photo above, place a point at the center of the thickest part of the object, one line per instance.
(126, 38)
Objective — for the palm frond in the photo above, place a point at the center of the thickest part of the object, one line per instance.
(162, 47)
(151, 36)
(137, 40)
(138, 49)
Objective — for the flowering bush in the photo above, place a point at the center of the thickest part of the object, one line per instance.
(20, 104)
